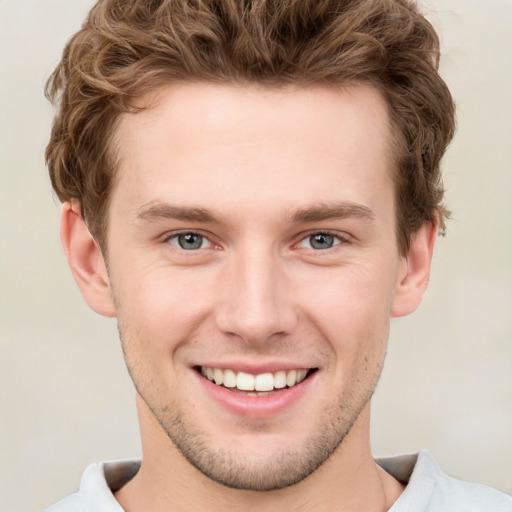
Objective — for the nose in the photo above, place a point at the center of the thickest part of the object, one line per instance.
(255, 300)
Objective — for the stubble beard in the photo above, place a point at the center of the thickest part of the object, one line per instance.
(261, 472)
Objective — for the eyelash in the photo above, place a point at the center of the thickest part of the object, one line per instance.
(175, 236)
(340, 239)
(304, 238)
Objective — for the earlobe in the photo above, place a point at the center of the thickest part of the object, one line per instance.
(85, 260)
(414, 274)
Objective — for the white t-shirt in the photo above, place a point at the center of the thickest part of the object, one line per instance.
(428, 488)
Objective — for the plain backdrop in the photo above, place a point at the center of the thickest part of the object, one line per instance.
(66, 399)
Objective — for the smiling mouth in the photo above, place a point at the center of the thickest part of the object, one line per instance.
(255, 385)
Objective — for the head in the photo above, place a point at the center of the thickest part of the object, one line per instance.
(126, 50)
(263, 181)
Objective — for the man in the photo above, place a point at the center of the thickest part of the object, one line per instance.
(252, 188)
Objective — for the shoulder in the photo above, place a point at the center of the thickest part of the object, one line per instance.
(429, 489)
(99, 482)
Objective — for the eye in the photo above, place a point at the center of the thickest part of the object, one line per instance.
(189, 241)
(320, 241)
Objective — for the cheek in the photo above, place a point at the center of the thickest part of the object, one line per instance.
(350, 293)
(160, 308)
(351, 308)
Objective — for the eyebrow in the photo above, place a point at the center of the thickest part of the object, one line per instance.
(156, 210)
(333, 211)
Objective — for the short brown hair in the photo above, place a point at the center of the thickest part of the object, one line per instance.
(128, 48)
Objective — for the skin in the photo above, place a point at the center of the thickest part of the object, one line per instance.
(268, 169)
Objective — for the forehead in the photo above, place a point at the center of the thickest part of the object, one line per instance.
(222, 146)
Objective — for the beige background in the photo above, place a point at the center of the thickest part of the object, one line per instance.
(65, 396)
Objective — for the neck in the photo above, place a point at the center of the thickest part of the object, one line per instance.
(348, 481)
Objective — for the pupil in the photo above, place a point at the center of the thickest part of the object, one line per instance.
(190, 241)
(322, 241)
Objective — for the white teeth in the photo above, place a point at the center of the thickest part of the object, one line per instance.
(229, 379)
(218, 376)
(262, 383)
(280, 379)
(245, 381)
(301, 375)
(291, 378)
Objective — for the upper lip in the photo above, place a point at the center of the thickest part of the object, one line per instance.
(256, 369)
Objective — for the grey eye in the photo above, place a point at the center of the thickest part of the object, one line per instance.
(321, 241)
(188, 241)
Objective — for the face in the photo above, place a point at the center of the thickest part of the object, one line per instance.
(253, 264)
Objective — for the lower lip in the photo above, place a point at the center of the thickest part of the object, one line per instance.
(256, 406)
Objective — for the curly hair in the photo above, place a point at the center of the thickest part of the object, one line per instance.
(129, 48)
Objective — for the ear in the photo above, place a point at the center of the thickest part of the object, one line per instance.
(414, 271)
(85, 260)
